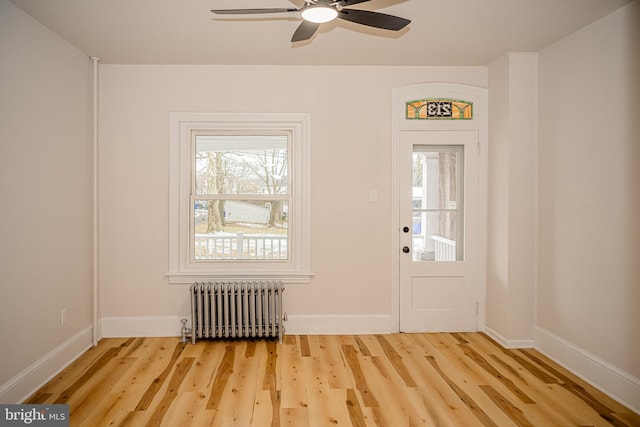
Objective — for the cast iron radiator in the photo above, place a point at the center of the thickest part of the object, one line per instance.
(237, 310)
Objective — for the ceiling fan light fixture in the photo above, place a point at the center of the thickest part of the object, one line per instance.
(319, 14)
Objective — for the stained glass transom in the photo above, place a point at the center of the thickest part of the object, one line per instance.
(439, 109)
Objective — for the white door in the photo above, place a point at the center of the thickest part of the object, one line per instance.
(439, 224)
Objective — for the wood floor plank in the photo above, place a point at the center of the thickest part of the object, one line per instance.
(329, 350)
(555, 406)
(479, 371)
(323, 410)
(290, 340)
(132, 419)
(442, 380)
(294, 417)
(592, 397)
(265, 414)
(538, 371)
(469, 375)
(146, 354)
(223, 372)
(171, 393)
(360, 379)
(83, 403)
(372, 344)
(242, 386)
(549, 405)
(477, 411)
(396, 361)
(208, 357)
(422, 374)
(363, 347)
(293, 392)
(439, 401)
(89, 374)
(392, 392)
(495, 373)
(421, 343)
(627, 417)
(516, 414)
(305, 350)
(132, 347)
(68, 376)
(443, 407)
(158, 382)
(270, 380)
(189, 409)
(107, 408)
(356, 414)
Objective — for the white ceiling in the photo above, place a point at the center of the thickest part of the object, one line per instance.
(445, 32)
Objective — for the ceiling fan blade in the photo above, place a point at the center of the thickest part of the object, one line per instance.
(374, 19)
(305, 31)
(252, 11)
(345, 3)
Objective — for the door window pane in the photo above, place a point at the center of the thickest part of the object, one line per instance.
(438, 215)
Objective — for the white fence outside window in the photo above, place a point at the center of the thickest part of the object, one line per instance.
(445, 249)
(240, 246)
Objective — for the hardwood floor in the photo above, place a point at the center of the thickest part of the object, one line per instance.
(462, 379)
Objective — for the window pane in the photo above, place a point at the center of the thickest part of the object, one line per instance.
(241, 164)
(437, 203)
(435, 236)
(241, 229)
(435, 178)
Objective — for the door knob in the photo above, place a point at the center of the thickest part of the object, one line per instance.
(405, 229)
(406, 249)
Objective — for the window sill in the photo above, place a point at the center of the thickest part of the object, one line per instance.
(286, 278)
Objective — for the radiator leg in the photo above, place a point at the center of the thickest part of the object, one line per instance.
(185, 333)
(281, 315)
(193, 313)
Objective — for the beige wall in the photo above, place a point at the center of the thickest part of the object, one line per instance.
(350, 111)
(45, 201)
(511, 198)
(588, 236)
(588, 288)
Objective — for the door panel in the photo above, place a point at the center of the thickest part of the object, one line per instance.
(436, 293)
(438, 196)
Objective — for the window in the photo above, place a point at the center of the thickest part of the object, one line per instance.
(239, 197)
(438, 210)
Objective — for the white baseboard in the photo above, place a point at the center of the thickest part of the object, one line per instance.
(338, 324)
(618, 384)
(169, 326)
(142, 326)
(23, 385)
(508, 343)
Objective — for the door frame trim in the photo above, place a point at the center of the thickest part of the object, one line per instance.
(479, 97)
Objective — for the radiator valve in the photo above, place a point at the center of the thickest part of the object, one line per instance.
(185, 333)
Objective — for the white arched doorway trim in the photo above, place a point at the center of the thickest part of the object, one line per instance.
(402, 125)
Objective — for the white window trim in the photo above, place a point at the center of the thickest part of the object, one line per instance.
(181, 268)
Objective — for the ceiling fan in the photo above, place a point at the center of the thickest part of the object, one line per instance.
(316, 12)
